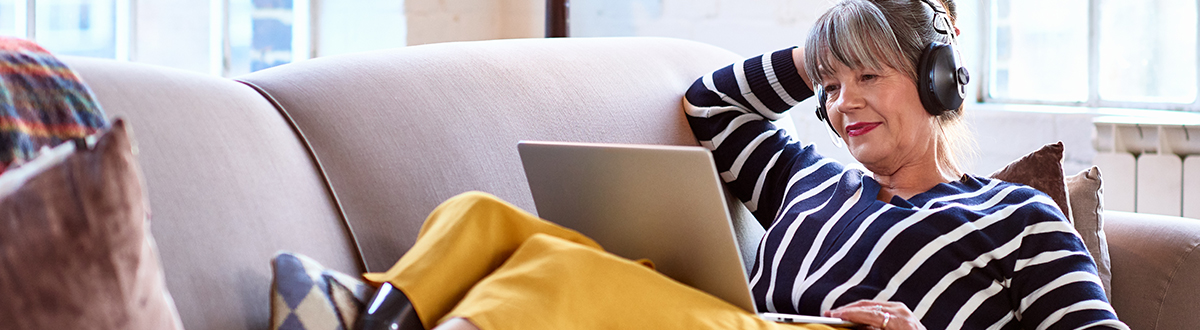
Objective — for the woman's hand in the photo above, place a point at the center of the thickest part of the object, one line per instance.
(885, 315)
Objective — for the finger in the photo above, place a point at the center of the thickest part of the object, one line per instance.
(862, 303)
(896, 308)
(856, 308)
(854, 311)
(861, 315)
(870, 304)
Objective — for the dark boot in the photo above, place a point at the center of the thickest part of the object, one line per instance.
(388, 310)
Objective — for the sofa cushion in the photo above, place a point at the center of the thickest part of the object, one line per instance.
(1086, 194)
(76, 252)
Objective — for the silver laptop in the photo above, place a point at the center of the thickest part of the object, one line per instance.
(663, 203)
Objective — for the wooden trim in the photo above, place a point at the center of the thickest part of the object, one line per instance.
(557, 18)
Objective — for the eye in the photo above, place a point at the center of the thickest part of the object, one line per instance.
(830, 88)
(869, 76)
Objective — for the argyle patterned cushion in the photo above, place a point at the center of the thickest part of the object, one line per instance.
(307, 296)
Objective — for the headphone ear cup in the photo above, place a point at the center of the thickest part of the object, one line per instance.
(941, 79)
(822, 112)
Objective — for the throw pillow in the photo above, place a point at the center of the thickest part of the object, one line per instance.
(75, 249)
(1087, 208)
(1078, 196)
(1042, 170)
(307, 296)
(42, 102)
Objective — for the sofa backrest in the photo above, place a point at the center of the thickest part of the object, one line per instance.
(399, 131)
(229, 182)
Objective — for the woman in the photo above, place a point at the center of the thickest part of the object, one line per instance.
(914, 241)
(913, 244)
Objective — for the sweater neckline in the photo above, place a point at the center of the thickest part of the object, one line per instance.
(872, 188)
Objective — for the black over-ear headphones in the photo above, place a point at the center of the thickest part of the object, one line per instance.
(941, 77)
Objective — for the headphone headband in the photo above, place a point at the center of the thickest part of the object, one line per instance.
(941, 20)
(937, 6)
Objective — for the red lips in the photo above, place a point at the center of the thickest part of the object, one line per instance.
(860, 128)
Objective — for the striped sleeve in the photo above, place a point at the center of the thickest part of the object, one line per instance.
(1055, 278)
(730, 112)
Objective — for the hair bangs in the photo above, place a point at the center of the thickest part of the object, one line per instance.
(857, 34)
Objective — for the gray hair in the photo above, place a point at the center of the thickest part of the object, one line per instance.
(874, 34)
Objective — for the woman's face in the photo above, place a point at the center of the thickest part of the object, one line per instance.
(879, 115)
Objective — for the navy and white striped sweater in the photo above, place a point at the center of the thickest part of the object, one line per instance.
(972, 254)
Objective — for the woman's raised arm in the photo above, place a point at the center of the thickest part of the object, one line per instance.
(767, 84)
(730, 112)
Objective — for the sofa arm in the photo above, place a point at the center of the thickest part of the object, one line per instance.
(1155, 269)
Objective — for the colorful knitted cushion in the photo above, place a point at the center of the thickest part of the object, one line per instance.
(307, 296)
(42, 102)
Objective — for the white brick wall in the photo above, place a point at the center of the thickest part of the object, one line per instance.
(746, 27)
(1004, 135)
(431, 21)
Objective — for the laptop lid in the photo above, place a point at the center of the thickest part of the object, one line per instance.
(662, 203)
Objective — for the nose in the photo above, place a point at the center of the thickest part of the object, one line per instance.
(849, 98)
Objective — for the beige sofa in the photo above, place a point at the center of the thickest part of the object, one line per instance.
(340, 158)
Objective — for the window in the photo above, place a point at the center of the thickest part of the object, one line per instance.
(244, 35)
(260, 34)
(94, 28)
(1095, 53)
(221, 37)
(9, 19)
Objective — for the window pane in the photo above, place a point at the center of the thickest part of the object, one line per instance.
(1039, 50)
(77, 27)
(1148, 50)
(260, 34)
(8, 18)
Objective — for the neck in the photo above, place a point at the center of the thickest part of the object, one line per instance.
(908, 181)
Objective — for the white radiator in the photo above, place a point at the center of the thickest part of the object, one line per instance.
(1149, 166)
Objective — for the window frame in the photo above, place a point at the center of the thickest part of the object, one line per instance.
(1093, 101)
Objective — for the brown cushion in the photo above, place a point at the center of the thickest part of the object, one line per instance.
(1086, 213)
(1042, 170)
(75, 249)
